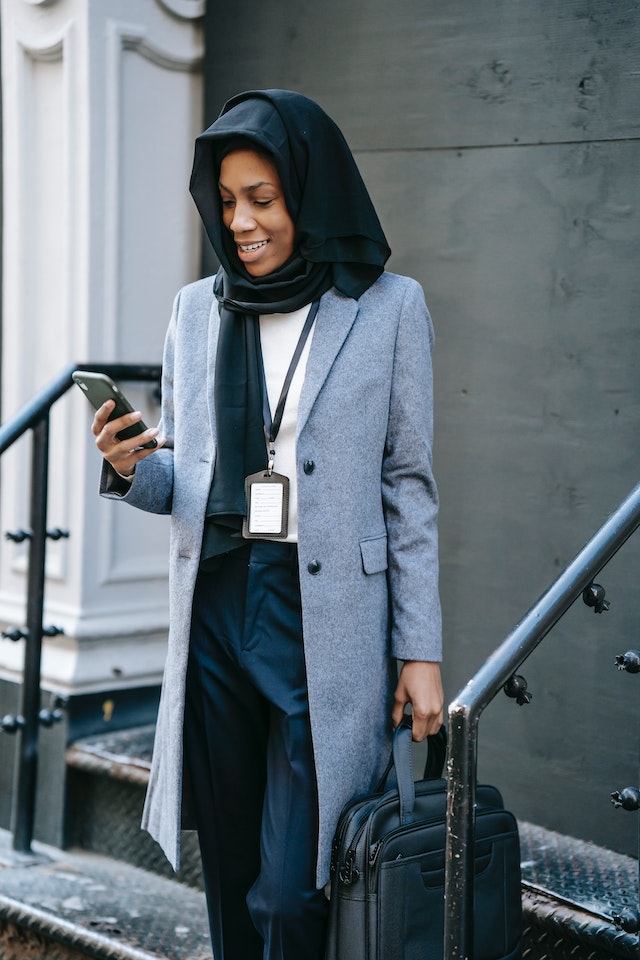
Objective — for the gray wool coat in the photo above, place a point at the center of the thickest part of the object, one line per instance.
(366, 518)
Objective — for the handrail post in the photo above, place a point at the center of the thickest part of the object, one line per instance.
(459, 856)
(27, 758)
(468, 705)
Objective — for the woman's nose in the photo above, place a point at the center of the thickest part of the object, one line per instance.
(242, 219)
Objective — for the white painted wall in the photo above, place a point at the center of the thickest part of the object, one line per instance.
(102, 101)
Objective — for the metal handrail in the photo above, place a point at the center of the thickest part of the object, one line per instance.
(34, 416)
(466, 708)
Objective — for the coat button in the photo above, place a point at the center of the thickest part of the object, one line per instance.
(308, 466)
(314, 566)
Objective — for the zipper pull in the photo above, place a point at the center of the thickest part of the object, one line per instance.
(374, 850)
(348, 873)
(334, 856)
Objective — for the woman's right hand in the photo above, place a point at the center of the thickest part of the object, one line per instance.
(123, 455)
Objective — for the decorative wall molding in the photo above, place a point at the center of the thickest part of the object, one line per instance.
(161, 58)
(123, 37)
(184, 9)
(54, 51)
(47, 51)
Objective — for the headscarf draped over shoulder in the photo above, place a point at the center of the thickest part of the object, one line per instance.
(339, 240)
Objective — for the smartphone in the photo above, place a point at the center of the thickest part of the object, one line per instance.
(98, 388)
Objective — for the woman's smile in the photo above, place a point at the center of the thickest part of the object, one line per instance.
(251, 252)
(255, 212)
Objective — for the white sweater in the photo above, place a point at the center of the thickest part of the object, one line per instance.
(279, 334)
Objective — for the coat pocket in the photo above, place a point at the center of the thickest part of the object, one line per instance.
(374, 554)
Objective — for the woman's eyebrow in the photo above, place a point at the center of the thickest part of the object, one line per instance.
(253, 186)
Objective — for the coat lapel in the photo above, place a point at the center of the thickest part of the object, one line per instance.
(334, 321)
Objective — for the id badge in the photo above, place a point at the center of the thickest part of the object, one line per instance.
(267, 506)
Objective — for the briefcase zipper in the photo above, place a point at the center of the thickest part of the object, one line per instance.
(374, 851)
(348, 872)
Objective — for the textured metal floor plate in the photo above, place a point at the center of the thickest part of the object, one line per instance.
(580, 873)
(102, 908)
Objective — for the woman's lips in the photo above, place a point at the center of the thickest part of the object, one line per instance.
(249, 247)
(250, 252)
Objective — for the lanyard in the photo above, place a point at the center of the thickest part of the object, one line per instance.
(272, 425)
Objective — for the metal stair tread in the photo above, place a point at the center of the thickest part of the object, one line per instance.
(575, 887)
(102, 908)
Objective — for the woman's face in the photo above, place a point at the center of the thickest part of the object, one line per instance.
(254, 211)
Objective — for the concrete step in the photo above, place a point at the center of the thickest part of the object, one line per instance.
(71, 905)
(107, 776)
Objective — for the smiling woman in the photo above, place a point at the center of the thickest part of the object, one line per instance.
(255, 212)
(294, 587)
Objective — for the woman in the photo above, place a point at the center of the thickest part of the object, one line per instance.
(281, 687)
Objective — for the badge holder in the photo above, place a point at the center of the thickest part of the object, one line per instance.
(267, 496)
(267, 492)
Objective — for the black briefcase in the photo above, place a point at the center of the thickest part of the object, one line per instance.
(387, 871)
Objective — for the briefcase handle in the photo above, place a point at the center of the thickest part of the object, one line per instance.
(401, 760)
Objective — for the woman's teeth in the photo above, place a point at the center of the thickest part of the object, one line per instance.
(247, 247)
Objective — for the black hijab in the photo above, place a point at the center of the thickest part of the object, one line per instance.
(338, 243)
(339, 240)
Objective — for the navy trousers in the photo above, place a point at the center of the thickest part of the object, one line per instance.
(249, 758)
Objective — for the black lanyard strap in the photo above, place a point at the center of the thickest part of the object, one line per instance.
(272, 426)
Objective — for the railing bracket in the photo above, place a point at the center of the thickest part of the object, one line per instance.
(15, 634)
(629, 661)
(627, 920)
(628, 799)
(47, 718)
(57, 534)
(11, 723)
(516, 688)
(593, 596)
(18, 536)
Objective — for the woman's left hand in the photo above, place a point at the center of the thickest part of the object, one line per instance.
(420, 685)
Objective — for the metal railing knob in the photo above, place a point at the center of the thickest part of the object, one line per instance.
(629, 661)
(593, 596)
(47, 718)
(11, 723)
(627, 920)
(516, 688)
(15, 634)
(57, 534)
(52, 631)
(18, 536)
(628, 799)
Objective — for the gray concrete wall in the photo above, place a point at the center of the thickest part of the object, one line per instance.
(500, 143)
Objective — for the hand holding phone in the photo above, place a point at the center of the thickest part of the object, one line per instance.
(117, 431)
(98, 388)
